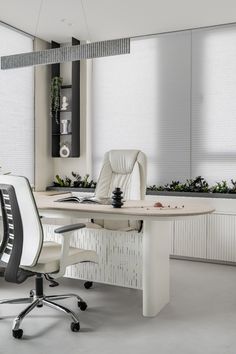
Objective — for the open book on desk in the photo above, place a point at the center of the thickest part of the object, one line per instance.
(86, 200)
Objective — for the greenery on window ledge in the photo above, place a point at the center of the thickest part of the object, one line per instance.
(78, 182)
(196, 185)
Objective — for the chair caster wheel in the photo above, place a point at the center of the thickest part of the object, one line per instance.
(82, 305)
(40, 305)
(17, 333)
(75, 326)
(88, 284)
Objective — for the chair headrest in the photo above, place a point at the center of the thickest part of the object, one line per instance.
(122, 161)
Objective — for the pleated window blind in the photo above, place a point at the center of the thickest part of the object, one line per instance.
(141, 101)
(174, 98)
(16, 108)
(214, 103)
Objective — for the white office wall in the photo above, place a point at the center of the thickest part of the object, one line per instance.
(142, 101)
(16, 108)
(214, 103)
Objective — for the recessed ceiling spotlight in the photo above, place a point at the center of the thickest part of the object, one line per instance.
(63, 20)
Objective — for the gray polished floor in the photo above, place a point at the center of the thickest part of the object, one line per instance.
(201, 318)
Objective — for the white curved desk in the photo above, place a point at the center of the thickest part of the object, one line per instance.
(156, 237)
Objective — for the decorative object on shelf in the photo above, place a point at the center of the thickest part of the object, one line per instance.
(64, 150)
(56, 83)
(117, 198)
(65, 126)
(65, 103)
(78, 183)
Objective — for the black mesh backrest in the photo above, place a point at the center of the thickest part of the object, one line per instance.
(12, 244)
(5, 226)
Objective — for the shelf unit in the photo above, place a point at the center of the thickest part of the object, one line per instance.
(72, 113)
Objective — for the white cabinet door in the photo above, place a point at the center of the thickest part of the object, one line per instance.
(221, 237)
(190, 237)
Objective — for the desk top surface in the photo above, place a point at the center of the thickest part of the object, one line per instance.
(141, 209)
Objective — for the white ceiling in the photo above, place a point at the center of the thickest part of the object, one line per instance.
(93, 20)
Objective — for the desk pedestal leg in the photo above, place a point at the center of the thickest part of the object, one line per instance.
(156, 276)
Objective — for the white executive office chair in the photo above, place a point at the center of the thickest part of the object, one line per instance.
(125, 169)
(24, 253)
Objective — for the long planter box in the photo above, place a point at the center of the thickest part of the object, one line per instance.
(150, 192)
(193, 194)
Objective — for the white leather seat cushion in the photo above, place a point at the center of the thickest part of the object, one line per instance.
(48, 261)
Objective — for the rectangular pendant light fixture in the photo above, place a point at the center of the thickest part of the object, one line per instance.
(64, 54)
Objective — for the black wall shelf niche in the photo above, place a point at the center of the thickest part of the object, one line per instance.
(71, 113)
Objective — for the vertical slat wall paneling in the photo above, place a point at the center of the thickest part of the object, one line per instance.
(190, 237)
(221, 241)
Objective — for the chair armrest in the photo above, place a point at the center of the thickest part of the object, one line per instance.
(65, 232)
(68, 228)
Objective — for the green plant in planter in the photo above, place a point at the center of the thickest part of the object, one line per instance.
(56, 83)
(60, 182)
(79, 182)
(175, 186)
(233, 190)
(198, 184)
(220, 187)
(83, 182)
(154, 187)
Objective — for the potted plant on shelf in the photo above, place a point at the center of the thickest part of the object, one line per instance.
(56, 83)
(79, 183)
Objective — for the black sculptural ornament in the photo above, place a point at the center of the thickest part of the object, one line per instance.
(117, 198)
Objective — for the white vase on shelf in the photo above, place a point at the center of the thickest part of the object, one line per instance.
(65, 126)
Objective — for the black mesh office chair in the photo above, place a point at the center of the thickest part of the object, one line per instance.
(23, 252)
